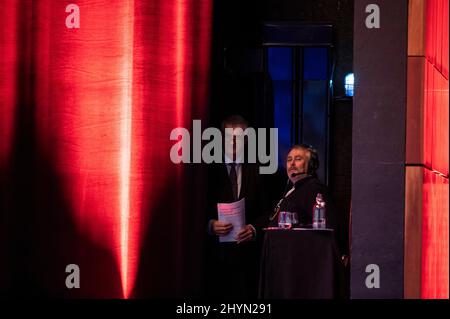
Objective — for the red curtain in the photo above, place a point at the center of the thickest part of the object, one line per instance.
(86, 115)
(435, 217)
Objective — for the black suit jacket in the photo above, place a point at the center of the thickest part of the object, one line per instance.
(236, 265)
(252, 189)
(303, 199)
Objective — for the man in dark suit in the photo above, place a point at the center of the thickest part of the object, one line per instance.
(302, 163)
(233, 266)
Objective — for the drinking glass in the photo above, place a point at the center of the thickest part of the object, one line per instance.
(285, 220)
(294, 219)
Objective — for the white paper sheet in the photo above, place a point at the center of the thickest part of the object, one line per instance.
(233, 213)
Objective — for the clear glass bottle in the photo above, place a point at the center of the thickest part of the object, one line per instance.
(319, 213)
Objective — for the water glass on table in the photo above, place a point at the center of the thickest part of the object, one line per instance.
(287, 219)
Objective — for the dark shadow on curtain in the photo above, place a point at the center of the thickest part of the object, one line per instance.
(171, 258)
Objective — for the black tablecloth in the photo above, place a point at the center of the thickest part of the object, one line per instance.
(299, 263)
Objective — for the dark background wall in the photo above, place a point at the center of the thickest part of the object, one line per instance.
(237, 30)
(340, 14)
(378, 172)
(238, 24)
(337, 12)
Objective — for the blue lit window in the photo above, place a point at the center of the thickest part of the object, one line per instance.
(349, 82)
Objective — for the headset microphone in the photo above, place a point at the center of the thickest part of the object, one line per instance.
(297, 174)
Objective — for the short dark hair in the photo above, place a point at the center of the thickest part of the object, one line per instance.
(234, 119)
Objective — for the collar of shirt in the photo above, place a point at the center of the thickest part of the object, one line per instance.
(290, 192)
(238, 161)
(302, 180)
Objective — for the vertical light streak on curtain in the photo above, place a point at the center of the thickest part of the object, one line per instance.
(140, 184)
(168, 82)
(9, 56)
(104, 100)
(182, 103)
(83, 118)
(435, 209)
(180, 55)
(127, 273)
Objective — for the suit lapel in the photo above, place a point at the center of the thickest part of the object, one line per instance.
(228, 193)
(244, 181)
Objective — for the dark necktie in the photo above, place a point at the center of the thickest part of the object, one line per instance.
(233, 180)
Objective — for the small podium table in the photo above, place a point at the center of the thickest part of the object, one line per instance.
(299, 263)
